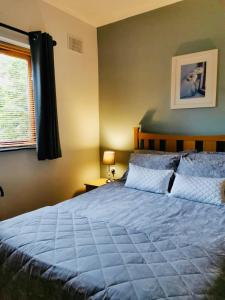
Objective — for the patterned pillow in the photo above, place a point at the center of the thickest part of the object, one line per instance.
(146, 151)
(201, 189)
(156, 161)
(149, 151)
(203, 168)
(145, 179)
(207, 156)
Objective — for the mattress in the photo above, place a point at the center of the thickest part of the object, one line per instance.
(115, 243)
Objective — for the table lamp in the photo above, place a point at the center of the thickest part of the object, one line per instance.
(109, 159)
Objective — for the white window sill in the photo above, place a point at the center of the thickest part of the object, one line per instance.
(17, 148)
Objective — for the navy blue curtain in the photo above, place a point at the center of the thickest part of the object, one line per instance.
(47, 132)
(1, 192)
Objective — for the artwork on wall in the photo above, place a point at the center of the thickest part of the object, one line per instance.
(194, 80)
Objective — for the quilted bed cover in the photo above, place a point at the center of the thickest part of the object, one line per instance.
(115, 243)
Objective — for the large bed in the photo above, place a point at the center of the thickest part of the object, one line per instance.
(116, 243)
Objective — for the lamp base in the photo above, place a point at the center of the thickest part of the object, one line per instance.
(110, 180)
(110, 172)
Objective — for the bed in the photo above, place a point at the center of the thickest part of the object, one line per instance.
(118, 243)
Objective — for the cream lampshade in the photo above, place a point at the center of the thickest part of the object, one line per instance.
(109, 159)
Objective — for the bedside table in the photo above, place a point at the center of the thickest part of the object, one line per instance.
(93, 184)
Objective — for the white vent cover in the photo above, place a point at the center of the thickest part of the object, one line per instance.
(75, 44)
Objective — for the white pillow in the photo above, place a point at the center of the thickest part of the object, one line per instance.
(148, 180)
(202, 189)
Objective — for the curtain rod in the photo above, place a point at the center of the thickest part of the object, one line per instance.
(19, 31)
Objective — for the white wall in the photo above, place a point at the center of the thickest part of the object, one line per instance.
(29, 183)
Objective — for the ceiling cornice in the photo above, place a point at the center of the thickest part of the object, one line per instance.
(101, 12)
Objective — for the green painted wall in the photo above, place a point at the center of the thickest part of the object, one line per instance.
(135, 72)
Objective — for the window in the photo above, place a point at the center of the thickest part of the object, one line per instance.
(17, 122)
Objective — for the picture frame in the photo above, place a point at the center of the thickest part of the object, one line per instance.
(194, 80)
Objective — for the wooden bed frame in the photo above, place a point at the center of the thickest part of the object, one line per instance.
(172, 143)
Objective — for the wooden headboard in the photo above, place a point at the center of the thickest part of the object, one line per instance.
(172, 143)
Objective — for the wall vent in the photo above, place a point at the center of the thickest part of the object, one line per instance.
(75, 44)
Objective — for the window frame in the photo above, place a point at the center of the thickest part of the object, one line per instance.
(24, 53)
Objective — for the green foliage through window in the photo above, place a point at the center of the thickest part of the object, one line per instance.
(16, 119)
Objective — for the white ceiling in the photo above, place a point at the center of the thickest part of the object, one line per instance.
(102, 12)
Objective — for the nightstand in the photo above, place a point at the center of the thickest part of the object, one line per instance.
(93, 184)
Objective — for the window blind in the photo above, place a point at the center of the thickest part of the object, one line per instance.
(17, 116)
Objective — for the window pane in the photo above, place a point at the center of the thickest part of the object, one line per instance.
(16, 107)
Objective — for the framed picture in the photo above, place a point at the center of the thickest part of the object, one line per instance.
(194, 80)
